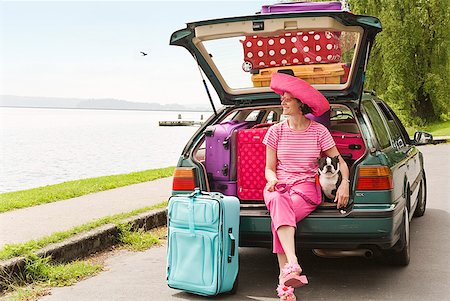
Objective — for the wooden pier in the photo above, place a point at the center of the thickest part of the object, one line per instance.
(180, 123)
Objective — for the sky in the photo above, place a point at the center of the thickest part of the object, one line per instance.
(91, 49)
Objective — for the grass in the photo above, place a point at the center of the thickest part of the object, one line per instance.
(26, 292)
(436, 129)
(52, 193)
(41, 274)
(40, 270)
(139, 240)
(23, 249)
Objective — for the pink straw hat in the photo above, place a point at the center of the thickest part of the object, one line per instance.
(301, 90)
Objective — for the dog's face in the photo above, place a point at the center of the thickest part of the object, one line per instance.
(328, 165)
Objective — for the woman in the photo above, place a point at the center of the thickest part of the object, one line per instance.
(291, 194)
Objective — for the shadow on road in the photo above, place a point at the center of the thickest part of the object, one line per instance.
(353, 278)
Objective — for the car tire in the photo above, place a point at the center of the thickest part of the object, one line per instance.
(400, 254)
(422, 198)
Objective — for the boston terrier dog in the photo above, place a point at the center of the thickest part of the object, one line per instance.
(330, 176)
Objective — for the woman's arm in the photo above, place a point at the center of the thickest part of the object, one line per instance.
(270, 171)
(343, 191)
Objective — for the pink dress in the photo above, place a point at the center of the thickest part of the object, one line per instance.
(296, 194)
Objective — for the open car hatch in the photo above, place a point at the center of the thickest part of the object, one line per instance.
(328, 49)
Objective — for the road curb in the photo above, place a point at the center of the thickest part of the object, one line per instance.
(82, 245)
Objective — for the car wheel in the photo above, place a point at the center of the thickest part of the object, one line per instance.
(401, 257)
(421, 198)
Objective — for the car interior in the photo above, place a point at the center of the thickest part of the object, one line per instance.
(342, 124)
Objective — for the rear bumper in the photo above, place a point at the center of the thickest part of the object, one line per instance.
(363, 226)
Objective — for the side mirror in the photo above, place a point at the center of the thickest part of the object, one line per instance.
(421, 138)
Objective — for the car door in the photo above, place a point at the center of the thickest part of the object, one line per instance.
(402, 146)
(387, 150)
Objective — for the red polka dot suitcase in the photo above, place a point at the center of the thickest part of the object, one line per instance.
(251, 162)
(291, 48)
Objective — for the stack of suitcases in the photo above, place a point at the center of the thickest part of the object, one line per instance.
(314, 56)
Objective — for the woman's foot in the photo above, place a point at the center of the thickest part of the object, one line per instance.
(291, 275)
(286, 293)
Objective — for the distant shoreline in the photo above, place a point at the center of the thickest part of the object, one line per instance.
(108, 109)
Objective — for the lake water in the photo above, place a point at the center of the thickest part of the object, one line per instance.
(39, 147)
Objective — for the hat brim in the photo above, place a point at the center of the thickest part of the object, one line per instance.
(301, 90)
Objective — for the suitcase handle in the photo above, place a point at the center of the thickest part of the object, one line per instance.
(233, 244)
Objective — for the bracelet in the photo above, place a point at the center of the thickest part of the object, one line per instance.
(346, 180)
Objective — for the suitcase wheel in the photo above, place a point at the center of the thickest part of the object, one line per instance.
(247, 66)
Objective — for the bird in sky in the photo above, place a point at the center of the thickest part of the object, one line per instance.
(143, 53)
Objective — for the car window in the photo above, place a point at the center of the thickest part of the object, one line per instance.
(230, 116)
(399, 124)
(253, 116)
(397, 140)
(377, 123)
(272, 117)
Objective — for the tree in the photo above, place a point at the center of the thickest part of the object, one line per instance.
(409, 64)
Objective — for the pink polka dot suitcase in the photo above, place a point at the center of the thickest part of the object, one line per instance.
(291, 48)
(251, 162)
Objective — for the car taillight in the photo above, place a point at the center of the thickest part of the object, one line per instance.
(184, 179)
(374, 178)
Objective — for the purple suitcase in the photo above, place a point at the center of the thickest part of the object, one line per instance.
(226, 187)
(300, 6)
(221, 149)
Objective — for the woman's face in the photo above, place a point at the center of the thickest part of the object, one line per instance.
(290, 105)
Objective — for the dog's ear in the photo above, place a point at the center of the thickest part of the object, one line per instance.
(318, 160)
(336, 158)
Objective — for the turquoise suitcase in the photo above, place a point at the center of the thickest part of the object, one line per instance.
(202, 248)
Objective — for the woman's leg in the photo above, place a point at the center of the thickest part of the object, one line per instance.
(286, 235)
(282, 260)
(302, 208)
(283, 226)
(282, 214)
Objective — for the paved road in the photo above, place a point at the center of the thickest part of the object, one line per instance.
(140, 276)
(25, 224)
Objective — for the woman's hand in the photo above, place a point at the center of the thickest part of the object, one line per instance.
(270, 186)
(342, 194)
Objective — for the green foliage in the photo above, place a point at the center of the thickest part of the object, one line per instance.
(409, 65)
(67, 190)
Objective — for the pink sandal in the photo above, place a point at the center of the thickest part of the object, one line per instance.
(286, 293)
(292, 277)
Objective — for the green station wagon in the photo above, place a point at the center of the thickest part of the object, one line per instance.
(388, 183)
